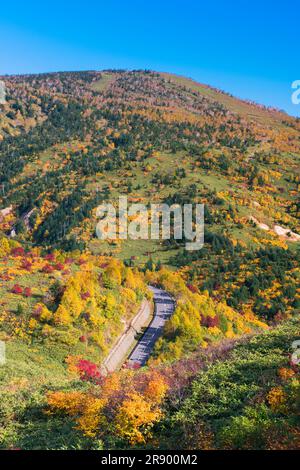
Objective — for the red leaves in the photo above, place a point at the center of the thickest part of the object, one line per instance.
(59, 266)
(26, 264)
(17, 289)
(81, 261)
(209, 322)
(48, 268)
(192, 288)
(103, 265)
(27, 292)
(49, 257)
(18, 251)
(89, 371)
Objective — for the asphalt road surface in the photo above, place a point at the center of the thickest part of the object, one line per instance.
(164, 308)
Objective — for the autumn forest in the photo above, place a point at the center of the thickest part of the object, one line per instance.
(224, 372)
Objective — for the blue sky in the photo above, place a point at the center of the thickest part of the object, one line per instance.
(248, 48)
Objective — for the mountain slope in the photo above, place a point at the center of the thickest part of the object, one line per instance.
(76, 139)
(71, 140)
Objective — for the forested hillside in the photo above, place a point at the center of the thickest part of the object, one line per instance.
(220, 375)
(72, 140)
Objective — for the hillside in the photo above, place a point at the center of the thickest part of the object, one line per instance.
(72, 140)
(243, 396)
(76, 139)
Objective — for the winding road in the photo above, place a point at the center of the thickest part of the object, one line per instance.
(164, 308)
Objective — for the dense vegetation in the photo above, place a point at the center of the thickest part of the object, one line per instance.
(219, 377)
(249, 400)
(241, 394)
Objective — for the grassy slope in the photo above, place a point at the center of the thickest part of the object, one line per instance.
(245, 109)
(104, 82)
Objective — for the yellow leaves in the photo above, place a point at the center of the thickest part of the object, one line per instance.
(62, 316)
(71, 403)
(72, 362)
(196, 315)
(286, 374)
(47, 330)
(91, 417)
(277, 399)
(111, 384)
(215, 331)
(125, 405)
(4, 247)
(95, 314)
(109, 305)
(93, 304)
(87, 307)
(44, 313)
(33, 324)
(129, 280)
(229, 333)
(273, 242)
(98, 338)
(18, 383)
(135, 418)
(72, 303)
(87, 409)
(113, 272)
(129, 295)
(156, 388)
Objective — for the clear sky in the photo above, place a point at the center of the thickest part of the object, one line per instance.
(248, 48)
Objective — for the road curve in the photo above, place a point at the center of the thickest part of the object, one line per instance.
(164, 307)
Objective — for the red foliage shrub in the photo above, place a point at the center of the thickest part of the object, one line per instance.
(192, 288)
(17, 289)
(209, 322)
(89, 371)
(49, 257)
(48, 268)
(18, 251)
(59, 266)
(26, 264)
(27, 292)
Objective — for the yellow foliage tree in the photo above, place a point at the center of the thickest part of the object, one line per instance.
(135, 418)
(62, 316)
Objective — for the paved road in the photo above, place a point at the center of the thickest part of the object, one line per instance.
(164, 308)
